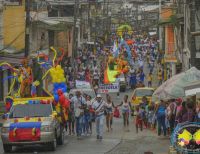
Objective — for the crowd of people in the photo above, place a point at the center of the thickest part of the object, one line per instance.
(90, 66)
(163, 115)
(84, 110)
(166, 114)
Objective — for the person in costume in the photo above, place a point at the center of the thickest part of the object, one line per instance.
(26, 77)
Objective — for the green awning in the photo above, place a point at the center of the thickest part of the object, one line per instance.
(164, 22)
(172, 20)
(53, 25)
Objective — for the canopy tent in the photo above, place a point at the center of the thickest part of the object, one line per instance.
(174, 87)
(192, 88)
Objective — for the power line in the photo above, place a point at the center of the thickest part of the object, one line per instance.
(13, 41)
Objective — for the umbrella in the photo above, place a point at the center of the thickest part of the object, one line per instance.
(174, 87)
(129, 42)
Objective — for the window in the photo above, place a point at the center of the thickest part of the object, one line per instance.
(13, 2)
(143, 92)
(61, 11)
(31, 110)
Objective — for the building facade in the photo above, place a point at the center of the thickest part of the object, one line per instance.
(13, 25)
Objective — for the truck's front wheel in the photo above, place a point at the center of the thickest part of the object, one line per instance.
(7, 148)
(61, 136)
(52, 145)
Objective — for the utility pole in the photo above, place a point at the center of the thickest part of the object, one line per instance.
(160, 28)
(27, 28)
(74, 49)
(194, 61)
(89, 21)
(1, 24)
(95, 29)
(137, 14)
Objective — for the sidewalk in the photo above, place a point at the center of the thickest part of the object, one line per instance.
(133, 143)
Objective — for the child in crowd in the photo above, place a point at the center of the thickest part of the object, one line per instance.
(138, 119)
(71, 119)
(150, 117)
(88, 116)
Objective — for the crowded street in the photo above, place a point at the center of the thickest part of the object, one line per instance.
(100, 77)
(115, 142)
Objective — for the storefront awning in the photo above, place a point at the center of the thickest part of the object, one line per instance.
(192, 88)
(55, 24)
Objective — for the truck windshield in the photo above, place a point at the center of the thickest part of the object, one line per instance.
(143, 92)
(31, 110)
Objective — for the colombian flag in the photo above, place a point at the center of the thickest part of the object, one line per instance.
(24, 131)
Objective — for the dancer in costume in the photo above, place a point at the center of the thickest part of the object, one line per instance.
(26, 78)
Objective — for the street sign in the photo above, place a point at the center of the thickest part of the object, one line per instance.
(109, 88)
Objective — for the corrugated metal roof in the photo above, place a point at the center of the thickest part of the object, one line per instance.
(12, 60)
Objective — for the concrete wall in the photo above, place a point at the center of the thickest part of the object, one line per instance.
(38, 38)
(14, 26)
(64, 39)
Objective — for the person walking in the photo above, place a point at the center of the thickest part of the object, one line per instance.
(71, 119)
(138, 119)
(133, 80)
(197, 110)
(178, 110)
(149, 79)
(126, 106)
(142, 76)
(187, 112)
(160, 112)
(99, 108)
(79, 103)
(109, 112)
(89, 115)
(159, 77)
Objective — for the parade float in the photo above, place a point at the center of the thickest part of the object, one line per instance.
(33, 127)
(186, 138)
(120, 59)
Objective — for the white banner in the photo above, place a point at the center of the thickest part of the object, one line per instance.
(109, 88)
(82, 85)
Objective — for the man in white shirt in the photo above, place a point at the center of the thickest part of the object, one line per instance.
(99, 107)
(79, 101)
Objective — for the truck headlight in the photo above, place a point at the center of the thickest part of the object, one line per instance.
(46, 128)
(5, 130)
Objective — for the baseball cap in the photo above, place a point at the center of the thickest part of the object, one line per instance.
(179, 100)
(98, 96)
